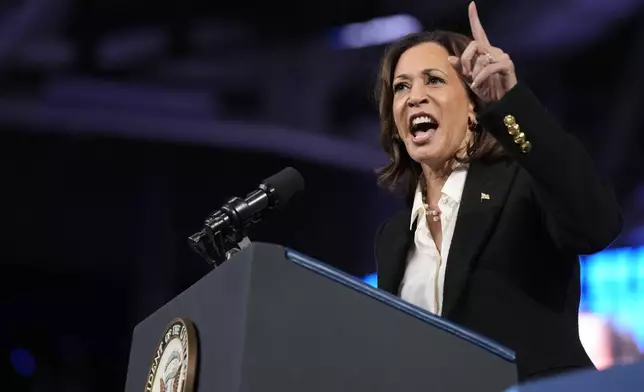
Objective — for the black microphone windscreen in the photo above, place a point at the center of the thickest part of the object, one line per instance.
(286, 183)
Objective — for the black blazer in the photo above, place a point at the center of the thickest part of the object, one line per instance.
(513, 268)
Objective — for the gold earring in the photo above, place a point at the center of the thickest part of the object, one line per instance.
(471, 124)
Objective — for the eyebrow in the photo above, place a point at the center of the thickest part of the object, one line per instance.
(426, 72)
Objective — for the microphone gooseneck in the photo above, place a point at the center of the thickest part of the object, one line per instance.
(225, 229)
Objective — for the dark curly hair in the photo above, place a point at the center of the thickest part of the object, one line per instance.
(402, 171)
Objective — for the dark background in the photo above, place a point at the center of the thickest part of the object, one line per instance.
(125, 124)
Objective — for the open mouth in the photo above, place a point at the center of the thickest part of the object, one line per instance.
(422, 126)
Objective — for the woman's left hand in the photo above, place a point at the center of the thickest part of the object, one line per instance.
(489, 70)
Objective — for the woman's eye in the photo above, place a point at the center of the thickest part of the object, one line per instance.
(434, 80)
(400, 86)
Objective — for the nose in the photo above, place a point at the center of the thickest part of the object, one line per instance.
(417, 96)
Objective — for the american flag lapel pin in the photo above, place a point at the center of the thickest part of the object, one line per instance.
(484, 196)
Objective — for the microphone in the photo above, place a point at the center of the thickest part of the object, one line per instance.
(225, 228)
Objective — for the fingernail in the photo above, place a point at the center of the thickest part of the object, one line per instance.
(473, 85)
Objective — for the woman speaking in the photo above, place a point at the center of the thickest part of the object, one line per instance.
(501, 199)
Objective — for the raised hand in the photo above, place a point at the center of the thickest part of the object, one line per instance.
(489, 69)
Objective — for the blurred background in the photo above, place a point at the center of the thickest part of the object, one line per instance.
(125, 123)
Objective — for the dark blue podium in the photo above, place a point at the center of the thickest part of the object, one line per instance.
(620, 378)
(272, 319)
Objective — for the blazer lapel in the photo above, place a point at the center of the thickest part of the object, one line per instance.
(392, 245)
(485, 191)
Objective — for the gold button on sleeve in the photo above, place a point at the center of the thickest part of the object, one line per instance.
(520, 138)
(514, 129)
(526, 147)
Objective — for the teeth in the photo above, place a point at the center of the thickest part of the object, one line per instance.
(421, 120)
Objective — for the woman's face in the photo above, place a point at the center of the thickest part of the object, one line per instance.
(430, 106)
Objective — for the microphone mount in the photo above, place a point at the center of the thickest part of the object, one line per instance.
(224, 232)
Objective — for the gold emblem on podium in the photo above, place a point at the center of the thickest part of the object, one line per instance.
(174, 363)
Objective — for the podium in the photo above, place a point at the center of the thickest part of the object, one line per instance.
(272, 319)
(619, 378)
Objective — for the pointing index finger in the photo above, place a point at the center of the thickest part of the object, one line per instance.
(475, 25)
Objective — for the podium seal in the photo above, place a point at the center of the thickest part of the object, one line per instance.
(174, 363)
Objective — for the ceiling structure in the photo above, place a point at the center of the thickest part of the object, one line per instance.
(116, 66)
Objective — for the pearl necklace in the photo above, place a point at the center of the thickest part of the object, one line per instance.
(435, 214)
